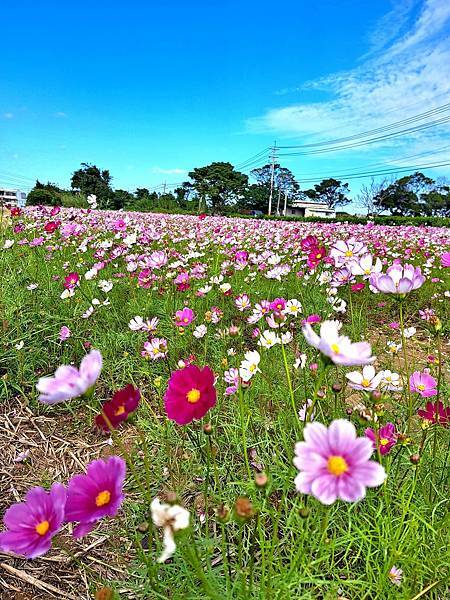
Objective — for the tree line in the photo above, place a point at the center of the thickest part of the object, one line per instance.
(220, 188)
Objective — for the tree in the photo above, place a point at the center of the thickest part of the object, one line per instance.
(406, 196)
(331, 191)
(368, 193)
(121, 199)
(284, 182)
(89, 179)
(38, 196)
(218, 185)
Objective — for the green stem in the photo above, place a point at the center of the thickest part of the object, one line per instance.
(289, 382)
(244, 431)
(405, 358)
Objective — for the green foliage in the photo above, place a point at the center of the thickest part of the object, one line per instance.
(331, 191)
(89, 179)
(218, 185)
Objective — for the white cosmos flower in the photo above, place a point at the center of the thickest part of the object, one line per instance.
(286, 337)
(300, 362)
(171, 518)
(105, 286)
(8, 244)
(91, 274)
(67, 293)
(225, 287)
(250, 365)
(200, 331)
(409, 332)
(136, 323)
(390, 381)
(368, 380)
(292, 308)
(268, 339)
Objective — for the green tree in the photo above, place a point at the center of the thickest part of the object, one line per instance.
(284, 182)
(407, 196)
(89, 179)
(331, 191)
(42, 196)
(218, 185)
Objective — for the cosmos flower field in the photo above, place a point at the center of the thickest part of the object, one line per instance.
(263, 406)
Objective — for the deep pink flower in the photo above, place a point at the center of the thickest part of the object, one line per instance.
(334, 463)
(121, 405)
(184, 317)
(55, 211)
(358, 287)
(69, 382)
(312, 319)
(51, 226)
(71, 280)
(423, 384)
(278, 304)
(96, 494)
(386, 437)
(32, 524)
(435, 413)
(309, 243)
(445, 259)
(190, 394)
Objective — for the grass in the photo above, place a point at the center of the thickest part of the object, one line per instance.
(292, 546)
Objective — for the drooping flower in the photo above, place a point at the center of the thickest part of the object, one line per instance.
(368, 380)
(190, 394)
(435, 413)
(96, 494)
(32, 524)
(338, 348)
(69, 382)
(121, 405)
(334, 463)
(385, 438)
(423, 384)
(171, 518)
(398, 279)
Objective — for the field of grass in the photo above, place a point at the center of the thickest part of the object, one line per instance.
(78, 280)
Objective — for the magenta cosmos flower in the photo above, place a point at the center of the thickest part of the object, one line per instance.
(435, 413)
(338, 347)
(184, 317)
(190, 394)
(95, 495)
(118, 409)
(445, 259)
(334, 463)
(69, 382)
(385, 438)
(32, 524)
(398, 279)
(423, 384)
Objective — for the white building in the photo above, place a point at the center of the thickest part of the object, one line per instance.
(13, 197)
(309, 208)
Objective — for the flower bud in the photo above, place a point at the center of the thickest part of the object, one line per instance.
(243, 508)
(207, 429)
(304, 512)
(336, 387)
(261, 479)
(223, 513)
(104, 593)
(414, 459)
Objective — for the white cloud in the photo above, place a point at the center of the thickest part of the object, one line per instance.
(8, 115)
(403, 74)
(60, 114)
(168, 171)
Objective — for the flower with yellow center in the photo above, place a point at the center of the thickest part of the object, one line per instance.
(384, 442)
(420, 387)
(103, 498)
(349, 253)
(119, 410)
(365, 383)
(193, 395)
(335, 348)
(42, 527)
(337, 465)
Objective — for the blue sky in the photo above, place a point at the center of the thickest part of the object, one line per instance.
(150, 90)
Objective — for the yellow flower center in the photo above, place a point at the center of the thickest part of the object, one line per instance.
(119, 410)
(103, 498)
(318, 255)
(365, 383)
(193, 396)
(420, 387)
(367, 271)
(337, 465)
(252, 368)
(185, 320)
(335, 348)
(349, 253)
(42, 528)
(384, 442)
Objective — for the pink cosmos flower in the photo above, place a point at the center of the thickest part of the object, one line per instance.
(182, 281)
(71, 280)
(64, 333)
(69, 382)
(312, 319)
(118, 409)
(155, 348)
(423, 384)
(278, 305)
(334, 463)
(435, 413)
(338, 348)
(190, 394)
(32, 524)
(386, 438)
(157, 259)
(96, 494)
(398, 279)
(445, 259)
(184, 317)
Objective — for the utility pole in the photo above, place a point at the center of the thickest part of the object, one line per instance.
(278, 203)
(164, 189)
(285, 203)
(273, 156)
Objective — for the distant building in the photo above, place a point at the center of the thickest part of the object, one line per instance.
(305, 208)
(13, 197)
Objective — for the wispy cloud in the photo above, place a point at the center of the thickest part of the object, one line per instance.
(8, 115)
(60, 114)
(168, 171)
(404, 73)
